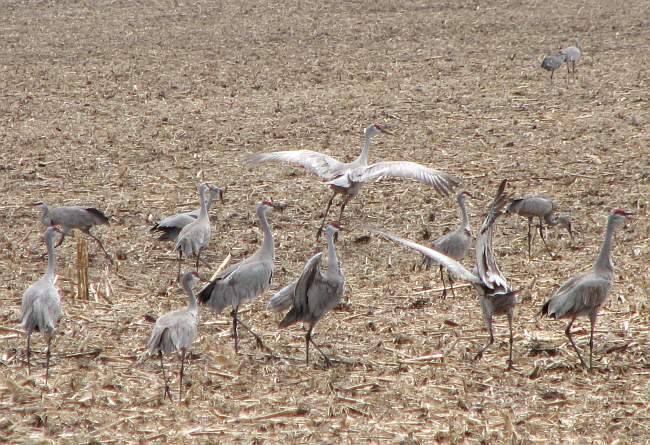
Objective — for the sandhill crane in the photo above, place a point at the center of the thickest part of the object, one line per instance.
(585, 293)
(314, 293)
(244, 281)
(454, 244)
(572, 54)
(494, 292)
(196, 235)
(74, 217)
(41, 304)
(542, 208)
(347, 179)
(176, 331)
(170, 227)
(553, 62)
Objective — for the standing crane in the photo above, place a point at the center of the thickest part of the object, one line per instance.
(315, 292)
(495, 294)
(170, 227)
(245, 280)
(572, 54)
(74, 217)
(542, 208)
(176, 331)
(41, 303)
(454, 244)
(584, 294)
(196, 235)
(347, 179)
(553, 62)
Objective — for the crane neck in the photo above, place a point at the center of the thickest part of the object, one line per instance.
(551, 220)
(604, 262)
(363, 157)
(51, 255)
(332, 258)
(463, 212)
(203, 213)
(187, 287)
(268, 247)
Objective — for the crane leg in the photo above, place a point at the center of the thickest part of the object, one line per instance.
(591, 342)
(258, 339)
(308, 340)
(162, 366)
(180, 260)
(541, 234)
(444, 287)
(180, 384)
(567, 331)
(198, 258)
(487, 317)
(530, 237)
(47, 359)
(234, 330)
(29, 350)
(510, 317)
(87, 232)
(451, 284)
(327, 210)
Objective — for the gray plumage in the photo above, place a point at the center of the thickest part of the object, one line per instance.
(495, 294)
(176, 330)
(572, 54)
(315, 293)
(244, 281)
(74, 217)
(347, 179)
(171, 226)
(41, 304)
(542, 208)
(454, 244)
(584, 294)
(196, 235)
(553, 62)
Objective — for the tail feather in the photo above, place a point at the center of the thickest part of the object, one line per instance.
(204, 296)
(544, 310)
(166, 233)
(99, 216)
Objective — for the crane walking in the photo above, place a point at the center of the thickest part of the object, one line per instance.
(572, 54)
(244, 281)
(584, 294)
(347, 179)
(454, 244)
(314, 293)
(542, 208)
(176, 331)
(553, 62)
(41, 303)
(196, 235)
(170, 227)
(495, 294)
(74, 217)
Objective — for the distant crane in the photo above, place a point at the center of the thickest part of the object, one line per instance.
(454, 244)
(572, 54)
(176, 331)
(494, 292)
(41, 304)
(584, 294)
(314, 293)
(347, 179)
(170, 227)
(74, 217)
(245, 280)
(542, 208)
(196, 235)
(553, 62)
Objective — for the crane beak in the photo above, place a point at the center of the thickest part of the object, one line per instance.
(386, 129)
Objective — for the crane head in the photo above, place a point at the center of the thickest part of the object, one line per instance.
(268, 203)
(564, 221)
(218, 191)
(336, 225)
(374, 129)
(466, 193)
(621, 212)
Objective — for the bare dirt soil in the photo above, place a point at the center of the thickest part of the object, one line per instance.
(127, 105)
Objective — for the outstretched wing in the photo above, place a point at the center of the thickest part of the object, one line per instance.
(487, 267)
(442, 182)
(453, 266)
(319, 164)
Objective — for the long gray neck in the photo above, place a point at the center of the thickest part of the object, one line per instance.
(332, 259)
(604, 261)
(363, 157)
(51, 256)
(203, 213)
(44, 216)
(187, 287)
(268, 248)
(463, 212)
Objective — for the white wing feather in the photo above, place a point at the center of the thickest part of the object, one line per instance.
(319, 164)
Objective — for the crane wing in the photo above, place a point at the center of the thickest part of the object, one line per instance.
(309, 274)
(486, 264)
(453, 266)
(282, 299)
(443, 183)
(319, 164)
(578, 295)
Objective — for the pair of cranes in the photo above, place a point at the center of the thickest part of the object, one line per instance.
(569, 55)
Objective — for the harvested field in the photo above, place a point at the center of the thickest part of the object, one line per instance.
(126, 106)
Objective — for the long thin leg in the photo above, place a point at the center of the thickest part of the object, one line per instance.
(198, 258)
(530, 236)
(591, 341)
(567, 331)
(573, 65)
(47, 359)
(234, 330)
(162, 366)
(180, 261)
(308, 340)
(260, 343)
(180, 384)
(451, 284)
(327, 210)
(29, 350)
(100, 244)
(541, 234)
(444, 287)
(487, 317)
(510, 317)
